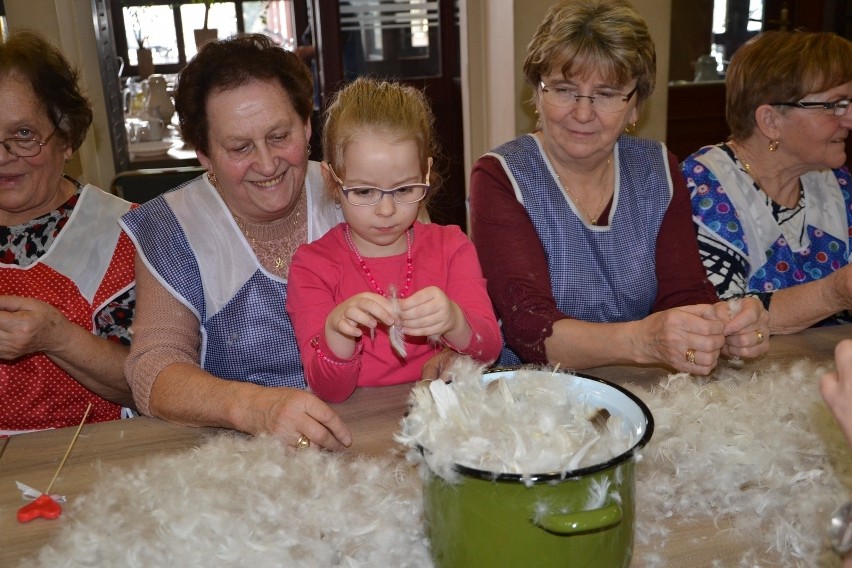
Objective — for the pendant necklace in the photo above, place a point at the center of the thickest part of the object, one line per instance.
(279, 262)
(293, 222)
(408, 260)
(746, 166)
(593, 219)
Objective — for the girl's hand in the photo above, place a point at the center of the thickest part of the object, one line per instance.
(429, 312)
(346, 322)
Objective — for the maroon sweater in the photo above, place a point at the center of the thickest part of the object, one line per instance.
(514, 263)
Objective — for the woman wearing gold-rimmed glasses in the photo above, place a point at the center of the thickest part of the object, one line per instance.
(66, 271)
(584, 232)
(772, 204)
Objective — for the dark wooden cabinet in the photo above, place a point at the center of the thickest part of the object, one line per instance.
(696, 116)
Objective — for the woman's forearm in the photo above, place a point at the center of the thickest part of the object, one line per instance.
(93, 361)
(799, 307)
(577, 344)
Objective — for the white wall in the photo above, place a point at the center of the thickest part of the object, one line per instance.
(69, 25)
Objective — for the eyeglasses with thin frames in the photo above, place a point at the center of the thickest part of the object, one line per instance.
(26, 147)
(564, 96)
(365, 195)
(838, 108)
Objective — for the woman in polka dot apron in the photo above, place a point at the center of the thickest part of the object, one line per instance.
(213, 344)
(66, 269)
(583, 231)
(772, 204)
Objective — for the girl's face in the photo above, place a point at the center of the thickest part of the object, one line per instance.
(258, 150)
(377, 159)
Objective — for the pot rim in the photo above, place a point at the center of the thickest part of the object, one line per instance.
(566, 475)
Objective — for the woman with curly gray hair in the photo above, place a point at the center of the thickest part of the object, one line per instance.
(66, 270)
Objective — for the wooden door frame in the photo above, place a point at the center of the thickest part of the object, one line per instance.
(449, 204)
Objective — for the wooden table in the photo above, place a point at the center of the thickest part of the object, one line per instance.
(373, 416)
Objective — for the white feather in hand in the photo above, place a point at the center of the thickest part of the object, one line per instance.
(397, 337)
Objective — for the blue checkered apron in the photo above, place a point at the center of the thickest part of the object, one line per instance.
(597, 273)
(192, 245)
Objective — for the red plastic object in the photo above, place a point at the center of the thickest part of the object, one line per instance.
(44, 506)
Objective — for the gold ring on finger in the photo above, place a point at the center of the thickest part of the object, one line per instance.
(690, 356)
(759, 336)
(303, 442)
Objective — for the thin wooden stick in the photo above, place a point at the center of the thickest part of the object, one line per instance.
(5, 443)
(68, 451)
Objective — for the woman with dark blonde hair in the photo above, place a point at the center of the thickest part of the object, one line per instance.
(583, 231)
(772, 204)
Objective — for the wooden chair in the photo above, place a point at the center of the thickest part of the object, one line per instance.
(139, 186)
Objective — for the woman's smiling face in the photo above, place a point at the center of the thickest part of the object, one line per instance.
(816, 138)
(258, 149)
(29, 187)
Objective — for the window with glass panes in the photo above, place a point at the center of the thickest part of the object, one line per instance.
(167, 27)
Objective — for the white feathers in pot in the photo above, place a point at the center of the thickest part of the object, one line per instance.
(535, 421)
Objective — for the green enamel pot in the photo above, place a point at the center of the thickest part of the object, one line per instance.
(498, 520)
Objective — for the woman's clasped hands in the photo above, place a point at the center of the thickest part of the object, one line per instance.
(692, 338)
(27, 326)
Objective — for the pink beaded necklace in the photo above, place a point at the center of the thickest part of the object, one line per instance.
(409, 275)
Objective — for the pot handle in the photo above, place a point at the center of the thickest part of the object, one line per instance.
(582, 521)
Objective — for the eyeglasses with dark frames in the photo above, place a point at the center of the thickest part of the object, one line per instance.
(837, 107)
(365, 195)
(564, 96)
(26, 147)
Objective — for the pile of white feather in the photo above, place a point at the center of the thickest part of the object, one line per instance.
(755, 447)
(535, 422)
(237, 501)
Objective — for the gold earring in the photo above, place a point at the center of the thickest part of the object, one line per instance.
(630, 128)
(773, 145)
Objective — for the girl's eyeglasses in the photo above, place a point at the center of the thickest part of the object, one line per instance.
(365, 195)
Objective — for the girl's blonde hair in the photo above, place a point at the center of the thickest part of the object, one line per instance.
(368, 104)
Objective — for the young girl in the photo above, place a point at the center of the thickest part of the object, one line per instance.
(380, 294)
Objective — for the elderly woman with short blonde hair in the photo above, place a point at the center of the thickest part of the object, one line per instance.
(772, 204)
